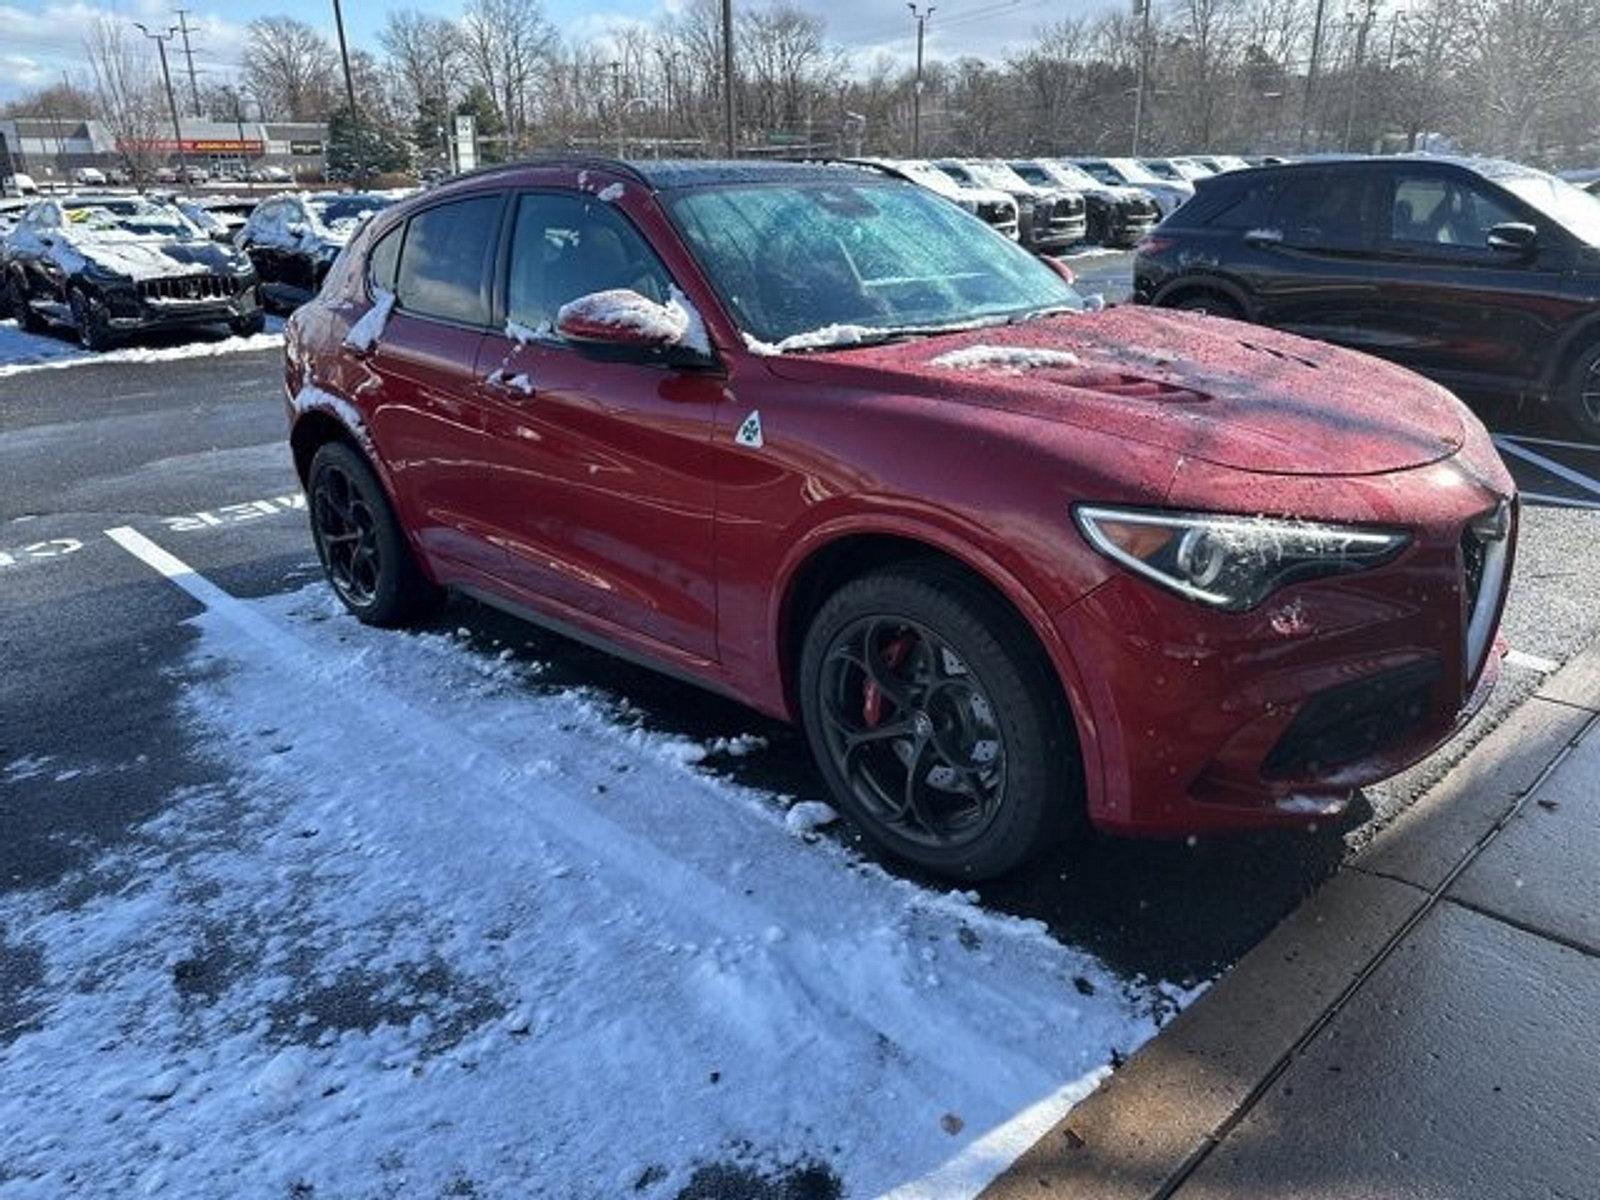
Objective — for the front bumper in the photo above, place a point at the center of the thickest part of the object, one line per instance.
(141, 308)
(1206, 721)
(1129, 225)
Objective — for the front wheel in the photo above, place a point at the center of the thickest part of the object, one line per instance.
(30, 320)
(364, 551)
(91, 321)
(1580, 393)
(248, 326)
(937, 722)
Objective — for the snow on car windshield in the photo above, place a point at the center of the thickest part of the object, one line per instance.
(337, 210)
(791, 259)
(118, 214)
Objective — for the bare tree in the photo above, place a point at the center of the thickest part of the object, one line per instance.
(127, 94)
(424, 55)
(504, 43)
(290, 69)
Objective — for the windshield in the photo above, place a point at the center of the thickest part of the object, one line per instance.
(1569, 206)
(131, 215)
(1072, 176)
(1133, 172)
(836, 263)
(1191, 170)
(1160, 168)
(929, 177)
(331, 210)
(996, 175)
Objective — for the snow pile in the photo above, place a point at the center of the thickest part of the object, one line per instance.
(815, 339)
(1013, 359)
(519, 382)
(611, 192)
(364, 334)
(623, 308)
(809, 816)
(22, 352)
(410, 949)
(523, 334)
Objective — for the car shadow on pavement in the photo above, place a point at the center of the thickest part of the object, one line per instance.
(1179, 912)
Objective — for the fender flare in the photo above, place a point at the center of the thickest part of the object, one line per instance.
(1035, 615)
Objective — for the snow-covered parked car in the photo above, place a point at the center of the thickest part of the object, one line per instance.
(1049, 217)
(109, 266)
(88, 177)
(990, 205)
(18, 185)
(293, 239)
(219, 217)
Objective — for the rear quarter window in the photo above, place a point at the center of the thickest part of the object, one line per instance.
(383, 263)
(1239, 204)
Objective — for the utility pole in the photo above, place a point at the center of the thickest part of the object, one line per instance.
(350, 92)
(1311, 71)
(921, 18)
(1355, 72)
(161, 40)
(727, 78)
(616, 100)
(1143, 7)
(188, 54)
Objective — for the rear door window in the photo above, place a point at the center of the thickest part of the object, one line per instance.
(447, 260)
(1326, 210)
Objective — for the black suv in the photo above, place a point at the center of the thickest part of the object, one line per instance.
(1483, 275)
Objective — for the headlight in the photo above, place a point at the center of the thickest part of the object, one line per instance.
(1231, 562)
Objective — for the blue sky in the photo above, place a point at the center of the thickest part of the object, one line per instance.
(40, 38)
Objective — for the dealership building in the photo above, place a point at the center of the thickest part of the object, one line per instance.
(51, 147)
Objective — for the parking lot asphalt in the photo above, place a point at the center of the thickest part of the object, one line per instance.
(191, 454)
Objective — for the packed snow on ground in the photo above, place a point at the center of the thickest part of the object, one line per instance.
(447, 931)
(1005, 358)
(21, 351)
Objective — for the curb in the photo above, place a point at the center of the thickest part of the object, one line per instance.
(1156, 1119)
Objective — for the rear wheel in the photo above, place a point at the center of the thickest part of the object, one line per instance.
(363, 549)
(17, 289)
(936, 721)
(1214, 303)
(1580, 393)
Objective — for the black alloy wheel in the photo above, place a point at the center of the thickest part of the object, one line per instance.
(937, 721)
(912, 731)
(364, 551)
(1582, 394)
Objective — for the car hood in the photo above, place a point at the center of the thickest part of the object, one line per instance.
(1225, 392)
(152, 258)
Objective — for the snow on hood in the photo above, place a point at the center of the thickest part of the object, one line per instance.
(136, 255)
(1222, 391)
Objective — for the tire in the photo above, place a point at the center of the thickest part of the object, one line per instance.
(30, 321)
(248, 326)
(1580, 393)
(1214, 303)
(90, 321)
(955, 752)
(364, 551)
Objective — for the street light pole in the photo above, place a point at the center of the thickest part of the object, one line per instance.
(921, 18)
(349, 91)
(727, 78)
(1144, 72)
(1311, 71)
(161, 40)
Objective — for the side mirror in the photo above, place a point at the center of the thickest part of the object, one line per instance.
(621, 317)
(1514, 237)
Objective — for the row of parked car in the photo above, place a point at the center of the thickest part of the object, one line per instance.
(1049, 204)
(107, 265)
(192, 174)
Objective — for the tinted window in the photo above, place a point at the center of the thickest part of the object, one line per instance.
(445, 266)
(1325, 210)
(1031, 173)
(1441, 211)
(1242, 205)
(566, 245)
(384, 258)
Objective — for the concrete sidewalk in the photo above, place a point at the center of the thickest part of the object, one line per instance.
(1426, 1025)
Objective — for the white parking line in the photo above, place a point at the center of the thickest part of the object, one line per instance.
(1559, 501)
(1555, 443)
(1558, 469)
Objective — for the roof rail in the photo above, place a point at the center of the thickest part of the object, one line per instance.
(559, 158)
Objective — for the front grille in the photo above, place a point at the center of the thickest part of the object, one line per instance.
(180, 288)
(1353, 721)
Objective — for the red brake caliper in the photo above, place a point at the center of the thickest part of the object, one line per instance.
(871, 695)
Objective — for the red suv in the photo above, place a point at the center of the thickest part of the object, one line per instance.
(818, 439)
